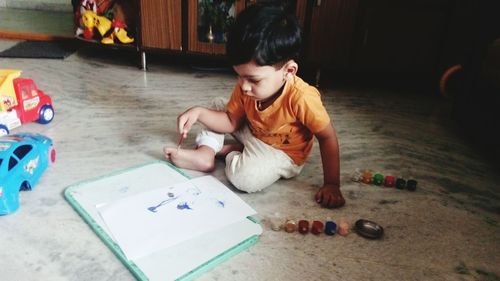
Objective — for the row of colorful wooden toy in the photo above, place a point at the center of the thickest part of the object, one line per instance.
(379, 179)
(316, 227)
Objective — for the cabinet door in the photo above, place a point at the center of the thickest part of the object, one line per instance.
(161, 24)
(207, 24)
(328, 37)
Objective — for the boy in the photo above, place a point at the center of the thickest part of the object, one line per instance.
(272, 112)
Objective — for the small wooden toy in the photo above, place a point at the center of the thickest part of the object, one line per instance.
(303, 226)
(400, 183)
(378, 179)
(276, 222)
(411, 185)
(356, 176)
(343, 228)
(367, 177)
(389, 181)
(290, 226)
(317, 227)
(330, 228)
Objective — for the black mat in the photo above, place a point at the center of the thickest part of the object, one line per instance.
(41, 49)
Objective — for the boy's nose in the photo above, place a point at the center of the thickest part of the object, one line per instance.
(245, 87)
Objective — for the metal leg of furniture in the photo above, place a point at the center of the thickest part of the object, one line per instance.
(143, 61)
(318, 76)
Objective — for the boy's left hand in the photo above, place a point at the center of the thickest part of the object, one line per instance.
(329, 196)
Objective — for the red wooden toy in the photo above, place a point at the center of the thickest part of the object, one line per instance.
(303, 226)
(317, 227)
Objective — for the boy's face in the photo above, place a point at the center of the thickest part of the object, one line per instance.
(260, 82)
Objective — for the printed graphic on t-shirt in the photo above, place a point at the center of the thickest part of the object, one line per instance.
(285, 135)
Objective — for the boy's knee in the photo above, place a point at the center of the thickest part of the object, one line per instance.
(245, 177)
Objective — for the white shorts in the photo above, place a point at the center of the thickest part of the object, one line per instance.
(258, 166)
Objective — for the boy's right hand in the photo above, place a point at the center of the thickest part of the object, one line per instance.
(186, 120)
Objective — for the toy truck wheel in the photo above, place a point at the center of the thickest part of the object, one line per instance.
(46, 114)
(3, 130)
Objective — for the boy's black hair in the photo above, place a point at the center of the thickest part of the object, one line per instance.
(265, 34)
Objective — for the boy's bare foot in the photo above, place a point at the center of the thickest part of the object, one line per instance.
(200, 159)
(227, 148)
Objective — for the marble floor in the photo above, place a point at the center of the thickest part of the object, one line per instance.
(110, 116)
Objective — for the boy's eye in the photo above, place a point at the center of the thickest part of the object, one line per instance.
(249, 80)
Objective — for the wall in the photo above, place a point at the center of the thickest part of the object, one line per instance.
(50, 5)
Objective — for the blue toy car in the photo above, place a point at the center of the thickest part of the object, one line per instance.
(23, 159)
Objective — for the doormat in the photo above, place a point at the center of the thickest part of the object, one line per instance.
(41, 49)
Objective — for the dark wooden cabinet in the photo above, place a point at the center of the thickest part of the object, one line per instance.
(400, 36)
(160, 24)
(376, 37)
(163, 26)
(175, 25)
(343, 35)
(329, 31)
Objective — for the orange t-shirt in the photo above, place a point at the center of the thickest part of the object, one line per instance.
(289, 123)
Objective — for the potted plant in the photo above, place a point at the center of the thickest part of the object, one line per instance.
(216, 18)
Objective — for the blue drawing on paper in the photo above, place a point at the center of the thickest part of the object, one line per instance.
(184, 206)
(170, 199)
(220, 203)
(186, 199)
(188, 196)
(194, 191)
(123, 189)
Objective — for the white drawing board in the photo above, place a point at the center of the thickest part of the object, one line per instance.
(163, 225)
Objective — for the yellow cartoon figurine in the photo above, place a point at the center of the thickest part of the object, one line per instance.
(107, 29)
(85, 5)
(88, 24)
(120, 32)
(91, 20)
(103, 25)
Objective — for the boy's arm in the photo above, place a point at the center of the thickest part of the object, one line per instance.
(218, 121)
(329, 194)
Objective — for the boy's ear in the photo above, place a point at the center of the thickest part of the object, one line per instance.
(291, 68)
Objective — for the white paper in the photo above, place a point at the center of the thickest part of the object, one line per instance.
(172, 263)
(157, 219)
(94, 194)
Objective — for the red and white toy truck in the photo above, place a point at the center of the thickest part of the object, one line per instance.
(21, 102)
